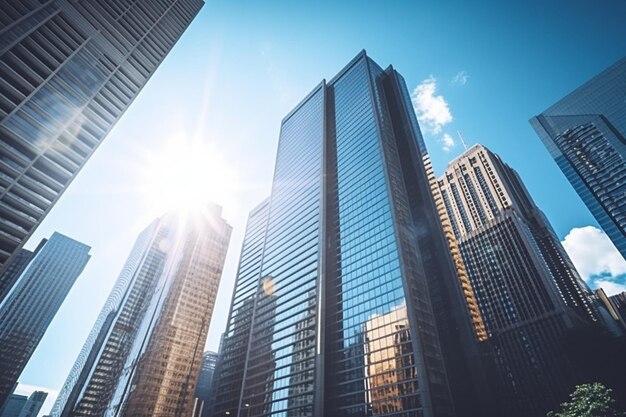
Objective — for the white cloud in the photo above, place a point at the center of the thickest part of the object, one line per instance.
(460, 78)
(593, 254)
(432, 110)
(25, 389)
(610, 287)
(447, 142)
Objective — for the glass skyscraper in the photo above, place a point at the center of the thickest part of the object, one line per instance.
(585, 133)
(143, 356)
(204, 384)
(30, 306)
(68, 71)
(347, 302)
(527, 288)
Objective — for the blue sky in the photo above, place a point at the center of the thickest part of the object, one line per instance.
(243, 65)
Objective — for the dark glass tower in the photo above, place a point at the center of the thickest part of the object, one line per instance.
(347, 302)
(28, 309)
(68, 71)
(527, 289)
(585, 133)
(204, 384)
(144, 354)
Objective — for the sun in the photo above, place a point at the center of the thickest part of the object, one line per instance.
(184, 174)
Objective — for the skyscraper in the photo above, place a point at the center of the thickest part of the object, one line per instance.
(585, 132)
(28, 309)
(528, 291)
(143, 357)
(204, 384)
(33, 404)
(347, 301)
(68, 71)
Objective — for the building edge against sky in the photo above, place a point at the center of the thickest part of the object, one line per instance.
(585, 132)
(338, 299)
(69, 70)
(152, 330)
(28, 309)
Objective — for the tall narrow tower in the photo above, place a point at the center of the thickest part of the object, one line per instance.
(68, 71)
(28, 309)
(347, 301)
(146, 354)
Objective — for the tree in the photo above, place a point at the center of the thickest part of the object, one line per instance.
(589, 400)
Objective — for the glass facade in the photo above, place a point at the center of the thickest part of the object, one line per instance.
(68, 72)
(333, 310)
(88, 354)
(146, 357)
(204, 384)
(30, 306)
(226, 396)
(585, 133)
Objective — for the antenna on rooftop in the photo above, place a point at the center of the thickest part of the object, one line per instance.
(462, 140)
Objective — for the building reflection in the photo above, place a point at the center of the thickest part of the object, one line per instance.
(390, 366)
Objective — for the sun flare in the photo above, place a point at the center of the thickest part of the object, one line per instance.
(183, 174)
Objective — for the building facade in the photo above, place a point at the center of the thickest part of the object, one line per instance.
(30, 306)
(204, 384)
(68, 71)
(33, 404)
(527, 289)
(347, 302)
(145, 356)
(585, 132)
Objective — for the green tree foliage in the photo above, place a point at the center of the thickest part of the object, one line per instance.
(589, 400)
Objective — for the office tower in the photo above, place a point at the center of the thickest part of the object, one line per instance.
(13, 405)
(89, 353)
(585, 133)
(28, 309)
(68, 70)
(346, 301)
(615, 314)
(145, 357)
(619, 301)
(204, 384)
(33, 404)
(231, 362)
(528, 291)
(23, 406)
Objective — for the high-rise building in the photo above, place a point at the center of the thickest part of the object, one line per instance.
(22, 405)
(204, 384)
(13, 405)
(68, 71)
(527, 289)
(30, 306)
(143, 357)
(347, 301)
(33, 404)
(585, 133)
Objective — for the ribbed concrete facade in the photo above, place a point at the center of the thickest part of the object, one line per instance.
(68, 71)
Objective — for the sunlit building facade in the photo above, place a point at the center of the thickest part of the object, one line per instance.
(68, 71)
(347, 302)
(146, 355)
(30, 306)
(527, 289)
(585, 132)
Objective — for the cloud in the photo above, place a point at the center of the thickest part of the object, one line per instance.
(460, 78)
(447, 142)
(593, 254)
(610, 287)
(432, 110)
